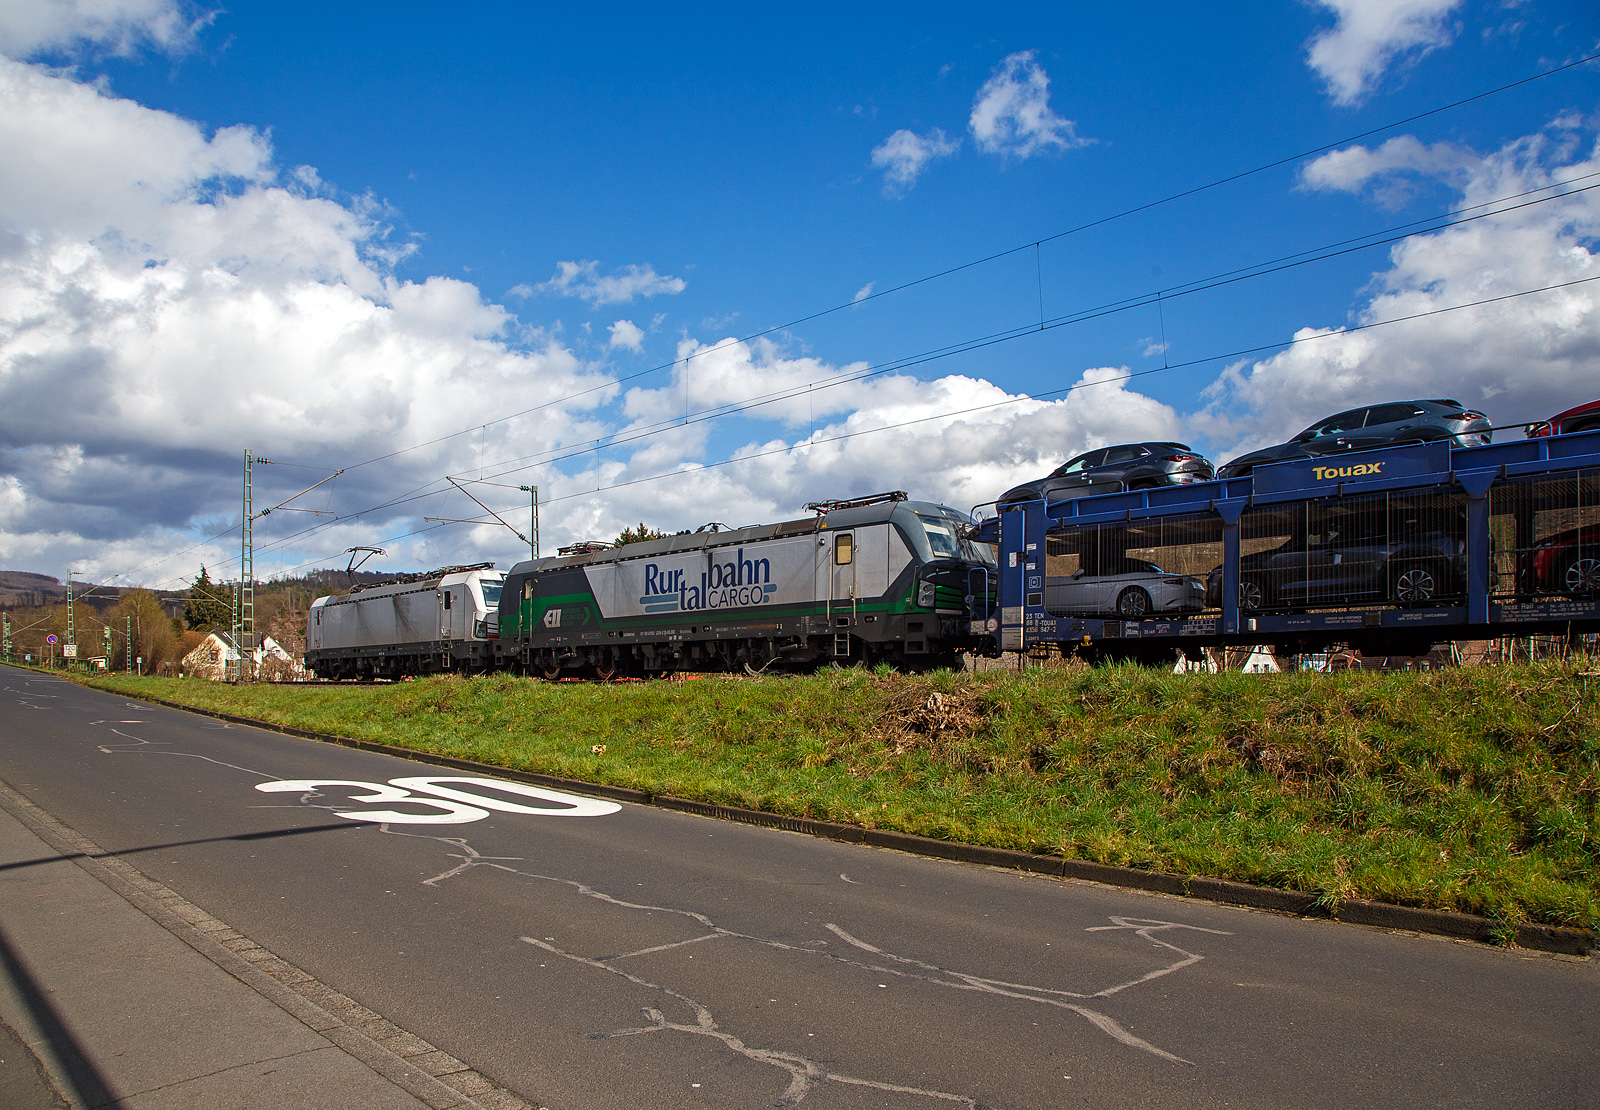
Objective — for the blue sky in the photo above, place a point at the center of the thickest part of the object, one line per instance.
(331, 232)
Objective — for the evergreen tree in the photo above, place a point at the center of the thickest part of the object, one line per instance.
(638, 535)
(210, 604)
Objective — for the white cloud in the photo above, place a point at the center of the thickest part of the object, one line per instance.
(1012, 115)
(584, 280)
(863, 293)
(904, 155)
(1391, 172)
(888, 432)
(169, 297)
(1369, 36)
(627, 335)
(1519, 360)
(32, 27)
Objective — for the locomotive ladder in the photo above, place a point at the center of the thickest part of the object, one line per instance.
(841, 635)
(838, 608)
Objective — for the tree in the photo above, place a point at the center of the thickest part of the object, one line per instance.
(153, 637)
(210, 604)
(638, 535)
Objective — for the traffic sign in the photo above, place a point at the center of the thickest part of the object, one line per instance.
(51, 639)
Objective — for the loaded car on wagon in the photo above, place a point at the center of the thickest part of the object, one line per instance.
(1408, 551)
(1580, 418)
(1392, 424)
(1114, 469)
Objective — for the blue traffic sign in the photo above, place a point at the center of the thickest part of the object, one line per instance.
(51, 639)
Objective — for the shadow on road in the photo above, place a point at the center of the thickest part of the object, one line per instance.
(88, 1085)
(270, 834)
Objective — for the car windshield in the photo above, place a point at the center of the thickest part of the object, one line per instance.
(491, 594)
(1076, 466)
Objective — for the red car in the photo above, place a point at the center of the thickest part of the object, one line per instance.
(1584, 418)
(1567, 562)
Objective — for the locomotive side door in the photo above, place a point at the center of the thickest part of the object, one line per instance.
(843, 569)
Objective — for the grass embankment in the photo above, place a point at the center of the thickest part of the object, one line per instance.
(1470, 789)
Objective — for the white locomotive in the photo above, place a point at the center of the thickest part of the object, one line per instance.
(417, 624)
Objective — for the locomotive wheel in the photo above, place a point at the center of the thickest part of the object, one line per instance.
(1582, 576)
(551, 673)
(1133, 603)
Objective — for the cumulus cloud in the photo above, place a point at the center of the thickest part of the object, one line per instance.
(33, 27)
(1012, 116)
(957, 439)
(1519, 360)
(626, 335)
(170, 296)
(904, 155)
(1370, 36)
(1392, 172)
(584, 281)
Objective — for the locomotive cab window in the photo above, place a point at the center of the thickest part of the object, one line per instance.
(447, 599)
(844, 549)
(942, 539)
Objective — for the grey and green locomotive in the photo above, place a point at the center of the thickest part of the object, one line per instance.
(876, 579)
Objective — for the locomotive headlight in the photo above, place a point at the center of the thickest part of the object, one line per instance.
(925, 595)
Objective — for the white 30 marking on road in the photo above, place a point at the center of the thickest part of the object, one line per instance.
(455, 806)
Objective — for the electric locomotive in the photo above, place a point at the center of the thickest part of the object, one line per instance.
(874, 579)
(416, 624)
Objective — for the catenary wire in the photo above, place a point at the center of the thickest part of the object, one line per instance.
(1439, 222)
(1013, 333)
(1099, 222)
(1067, 390)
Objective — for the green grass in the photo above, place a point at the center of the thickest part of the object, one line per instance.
(1470, 789)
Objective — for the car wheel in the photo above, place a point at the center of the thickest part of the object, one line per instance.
(1582, 576)
(1251, 595)
(1133, 603)
(1417, 585)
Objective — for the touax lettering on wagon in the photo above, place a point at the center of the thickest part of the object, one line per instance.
(739, 582)
(1328, 473)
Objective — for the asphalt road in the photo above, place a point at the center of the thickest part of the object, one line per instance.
(642, 958)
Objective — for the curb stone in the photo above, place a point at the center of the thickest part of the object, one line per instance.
(1560, 939)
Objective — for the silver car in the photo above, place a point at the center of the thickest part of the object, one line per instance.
(1140, 590)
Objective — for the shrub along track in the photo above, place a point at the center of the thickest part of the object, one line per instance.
(1469, 791)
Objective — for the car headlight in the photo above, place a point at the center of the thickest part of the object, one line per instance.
(925, 595)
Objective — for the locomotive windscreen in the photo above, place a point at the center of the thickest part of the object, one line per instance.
(491, 594)
(948, 544)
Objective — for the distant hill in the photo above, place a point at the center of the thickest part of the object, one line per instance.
(21, 588)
